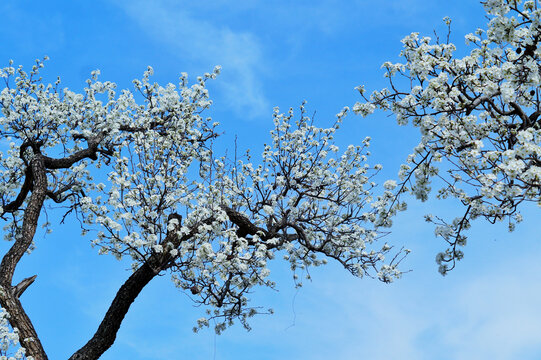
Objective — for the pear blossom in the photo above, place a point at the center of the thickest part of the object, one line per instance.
(167, 202)
(478, 117)
(9, 339)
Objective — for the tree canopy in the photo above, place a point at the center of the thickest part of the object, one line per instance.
(170, 204)
(478, 116)
(138, 170)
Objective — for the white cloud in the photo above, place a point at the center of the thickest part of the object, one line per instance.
(494, 315)
(500, 315)
(193, 38)
(490, 313)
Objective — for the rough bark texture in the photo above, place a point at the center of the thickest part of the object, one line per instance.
(9, 294)
(106, 334)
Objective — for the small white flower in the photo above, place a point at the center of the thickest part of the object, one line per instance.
(269, 210)
(389, 184)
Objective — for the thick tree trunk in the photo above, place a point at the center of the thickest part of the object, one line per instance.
(9, 294)
(27, 334)
(106, 333)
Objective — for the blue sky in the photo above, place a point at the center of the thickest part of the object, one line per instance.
(277, 53)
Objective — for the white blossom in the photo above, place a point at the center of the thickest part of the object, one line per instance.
(478, 117)
(168, 202)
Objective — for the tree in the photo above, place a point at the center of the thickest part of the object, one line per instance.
(169, 203)
(478, 116)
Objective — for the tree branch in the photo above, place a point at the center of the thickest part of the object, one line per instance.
(106, 334)
(245, 226)
(25, 189)
(23, 285)
(9, 294)
(67, 162)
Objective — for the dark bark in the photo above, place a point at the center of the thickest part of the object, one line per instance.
(245, 226)
(67, 162)
(106, 334)
(9, 296)
(25, 189)
(23, 285)
(35, 183)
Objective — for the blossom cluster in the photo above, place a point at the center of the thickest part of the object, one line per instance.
(304, 200)
(9, 339)
(478, 116)
(137, 168)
